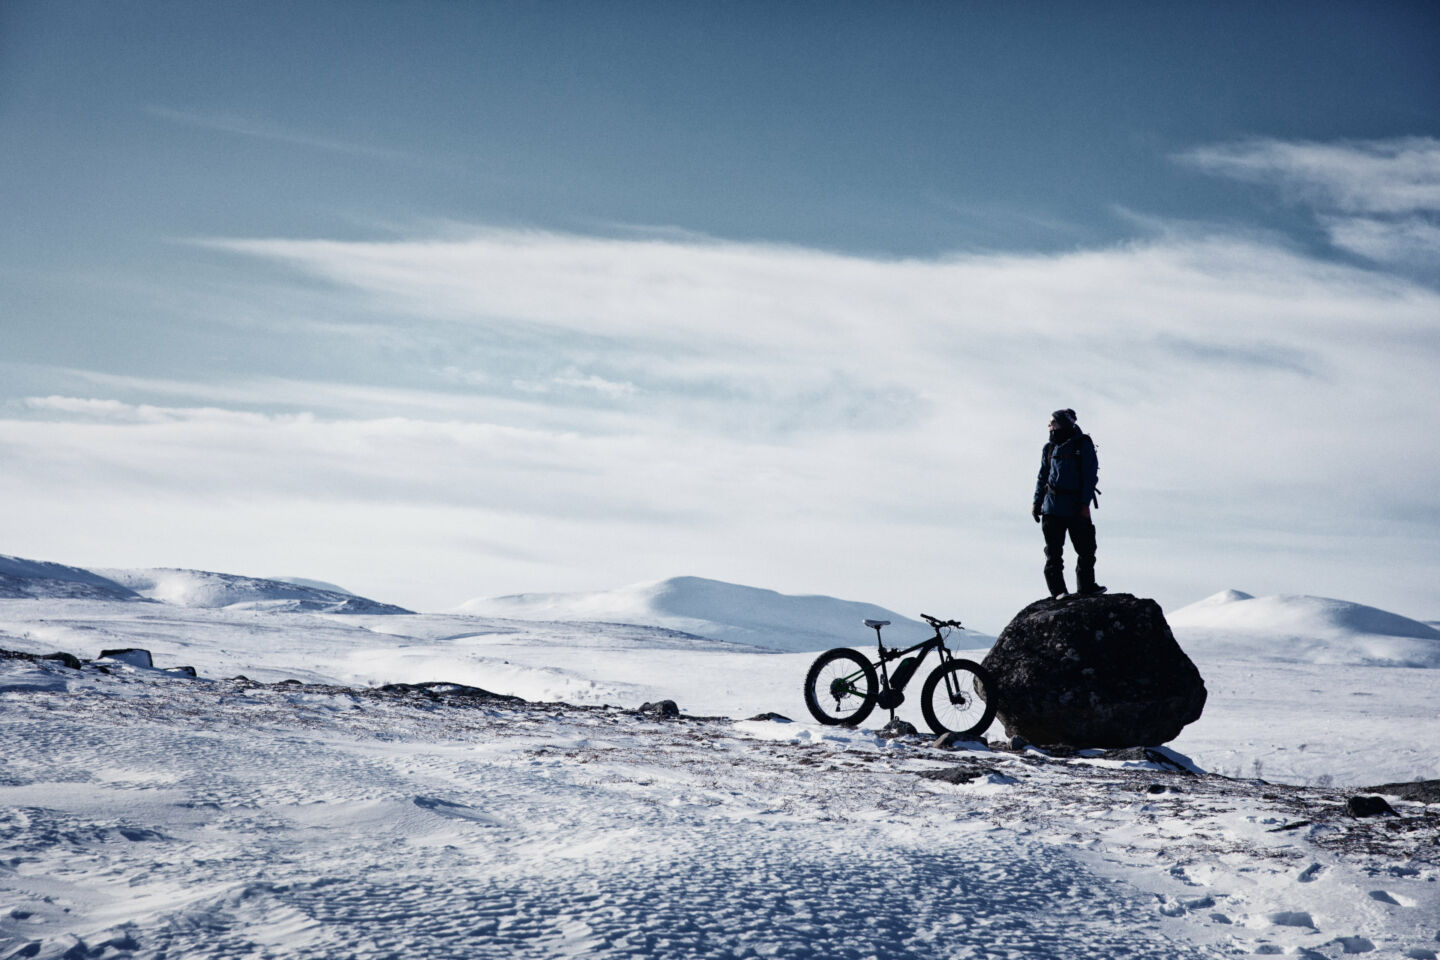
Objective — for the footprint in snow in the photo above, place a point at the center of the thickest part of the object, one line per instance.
(1353, 944)
(1291, 918)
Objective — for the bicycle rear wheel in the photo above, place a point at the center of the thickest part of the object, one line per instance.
(840, 687)
(956, 699)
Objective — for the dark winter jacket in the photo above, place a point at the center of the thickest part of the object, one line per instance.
(1068, 473)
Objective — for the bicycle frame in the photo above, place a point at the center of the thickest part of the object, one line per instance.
(892, 690)
(891, 653)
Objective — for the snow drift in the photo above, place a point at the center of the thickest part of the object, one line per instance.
(1302, 629)
(724, 611)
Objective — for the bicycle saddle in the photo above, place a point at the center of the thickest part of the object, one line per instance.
(872, 624)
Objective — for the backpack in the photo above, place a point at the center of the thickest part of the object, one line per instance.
(1050, 456)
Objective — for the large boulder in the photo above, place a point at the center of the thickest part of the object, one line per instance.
(1097, 671)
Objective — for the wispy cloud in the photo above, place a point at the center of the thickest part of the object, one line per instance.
(1367, 176)
(645, 406)
(1379, 199)
(1406, 242)
(262, 129)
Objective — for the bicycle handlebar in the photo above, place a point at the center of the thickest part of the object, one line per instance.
(937, 623)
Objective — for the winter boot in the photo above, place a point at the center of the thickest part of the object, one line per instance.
(1055, 582)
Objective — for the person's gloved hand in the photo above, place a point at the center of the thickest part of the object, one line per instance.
(1035, 512)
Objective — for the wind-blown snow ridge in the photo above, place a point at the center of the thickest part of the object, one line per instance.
(724, 611)
(208, 590)
(1303, 629)
(39, 578)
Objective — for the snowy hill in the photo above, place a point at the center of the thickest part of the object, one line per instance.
(724, 611)
(1301, 629)
(204, 589)
(36, 579)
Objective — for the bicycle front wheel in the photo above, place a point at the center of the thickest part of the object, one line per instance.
(957, 699)
(840, 687)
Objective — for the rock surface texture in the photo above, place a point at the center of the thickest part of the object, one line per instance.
(1101, 671)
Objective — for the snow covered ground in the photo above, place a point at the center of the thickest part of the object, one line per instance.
(145, 814)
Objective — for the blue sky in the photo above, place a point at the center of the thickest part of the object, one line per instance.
(440, 300)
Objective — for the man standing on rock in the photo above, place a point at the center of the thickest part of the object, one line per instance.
(1064, 491)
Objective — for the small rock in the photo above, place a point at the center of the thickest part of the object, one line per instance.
(1158, 758)
(954, 774)
(952, 740)
(182, 671)
(897, 728)
(69, 659)
(134, 656)
(774, 717)
(663, 709)
(1365, 806)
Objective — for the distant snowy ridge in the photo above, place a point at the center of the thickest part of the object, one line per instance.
(312, 584)
(1303, 629)
(205, 589)
(725, 611)
(36, 579)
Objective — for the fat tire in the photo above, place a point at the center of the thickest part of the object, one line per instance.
(815, 698)
(974, 682)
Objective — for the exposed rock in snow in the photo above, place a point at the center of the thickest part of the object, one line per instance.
(897, 728)
(1234, 625)
(1101, 671)
(725, 611)
(1363, 805)
(134, 656)
(1416, 791)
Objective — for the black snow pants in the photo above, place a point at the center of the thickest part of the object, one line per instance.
(1082, 538)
